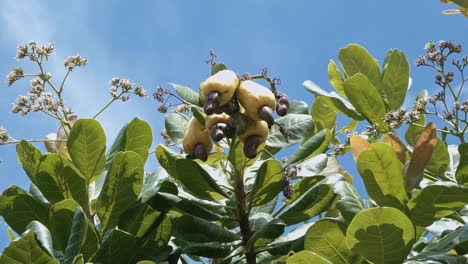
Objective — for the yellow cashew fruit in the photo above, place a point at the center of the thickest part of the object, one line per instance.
(255, 134)
(218, 89)
(217, 125)
(257, 100)
(197, 142)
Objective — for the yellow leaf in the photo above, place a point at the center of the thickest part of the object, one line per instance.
(398, 146)
(358, 145)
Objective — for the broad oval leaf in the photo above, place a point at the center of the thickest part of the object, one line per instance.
(382, 173)
(358, 145)
(364, 96)
(19, 208)
(334, 100)
(436, 201)
(61, 219)
(61, 180)
(350, 202)
(86, 145)
(138, 219)
(298, 107)
(462, 170)
(322, 113)
(422, 153)
(395, 79)
(186, 93)
(327, 238)
(335, 77)
(28, 156)
(43, 236)
(398, 146)
(194, 229)
(117, 247)
(267, 184)
(299, 125)
(198, 181)
(135, 136)
(266, 234)
(381, 235)
(355, 59)
(312, 166)
(167, 159)
(440, 159)
(77, 236)
(175, 126)
(446, 243)
(314, 201)
(122, 186)
(316, 144)
(306, 257)
(26, 249)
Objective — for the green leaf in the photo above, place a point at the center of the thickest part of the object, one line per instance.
(266, 234)
(414, 130)
(78, 259)
(314, 201)
(299, 125)
(364, 96)
(164, 232)
(118, 247)
(43, 236)
(355, 59)
(436, 201)
(351, 202)
(61, 219)
(381, 235)
(198, 113)
(77, 236)
(291, 241)
(123, 184)
(175, 126)
(267, 183)
(395, 79)
(316, 144)
(335, 77)
(327, 238)
(440, 159)
(298, 107)
(28, 157)
(209, 250)
(197, 181)
(194, 229)
(335, 101)
(61, 180)
(462, 170)
(135, 136)
(446, 243)
(219, 66)
(313, 165)
(382, 173)
(167, 159)
(26, 249)
(86, 145)
(138, 219)
(236, 155)
(186, 93)
(306, 257)
(322, 113)
(19, 208)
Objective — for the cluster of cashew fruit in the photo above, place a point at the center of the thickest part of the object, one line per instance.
(233, 108)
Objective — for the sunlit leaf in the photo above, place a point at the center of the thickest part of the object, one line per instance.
(299, 125)
(175, 126)
(298, 107)
(398, 146)
(395, 78)
(381, 235)
(26, 249)
(356, 59)
(186, 93)
(436, 201)
(267, 183)
(316, 144)
(358, 145)
(28, 156)
(335, 77)
(382, 173)
(350, 202)
(306, 257)
(462, 170)
(365, 98)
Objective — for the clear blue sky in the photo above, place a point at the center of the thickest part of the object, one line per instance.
(156, 42)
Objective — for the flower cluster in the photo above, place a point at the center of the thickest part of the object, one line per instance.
(401, 116)
(34, 51)
(121, 88)
(75, 61)
(290, 172)
(3, 135)
(15, 74)
(438, 53)
(38, 99)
